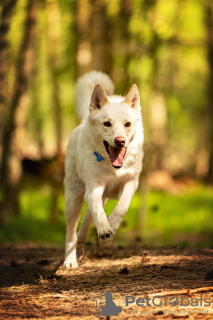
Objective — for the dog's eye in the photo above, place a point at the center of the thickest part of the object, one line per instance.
(128, 124)
(107, 124)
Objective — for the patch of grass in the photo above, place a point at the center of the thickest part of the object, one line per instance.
(191, 212)
(170, 215)
(33, 223)
(167, 217)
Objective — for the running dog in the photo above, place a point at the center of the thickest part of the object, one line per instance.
(103, 160)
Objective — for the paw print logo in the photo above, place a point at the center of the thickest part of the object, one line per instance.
(173, 301)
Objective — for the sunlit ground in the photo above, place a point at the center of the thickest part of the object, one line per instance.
(165, 219)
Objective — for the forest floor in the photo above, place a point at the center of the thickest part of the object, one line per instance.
(34, 285)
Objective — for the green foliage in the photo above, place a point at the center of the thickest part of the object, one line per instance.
(162, 46)
(33, 223)
(188, 213)
(170, 219)
(171, 33)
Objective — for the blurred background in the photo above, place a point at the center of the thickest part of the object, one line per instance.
(166, 48)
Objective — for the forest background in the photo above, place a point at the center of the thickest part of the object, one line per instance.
(166, 48)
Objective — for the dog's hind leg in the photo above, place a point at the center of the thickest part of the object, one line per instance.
(85, 225)
(73, 204)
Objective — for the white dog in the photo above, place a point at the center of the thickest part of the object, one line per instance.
(103, 160)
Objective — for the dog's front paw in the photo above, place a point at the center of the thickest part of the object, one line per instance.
(69, 263)
(105, 236)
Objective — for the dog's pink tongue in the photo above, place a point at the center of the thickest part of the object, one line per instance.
(116, 156)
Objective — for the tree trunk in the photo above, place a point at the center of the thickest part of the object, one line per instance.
(84, 53)
(126, 12)
(7, 10)
(100, 37)
(23, 72)
(158, 111)
(53, 43)
(209, 27)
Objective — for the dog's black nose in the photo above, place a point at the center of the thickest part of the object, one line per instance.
(120, 141)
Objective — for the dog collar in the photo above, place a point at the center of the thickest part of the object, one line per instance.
(99, 156)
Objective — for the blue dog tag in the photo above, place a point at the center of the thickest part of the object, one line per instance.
(99, 157)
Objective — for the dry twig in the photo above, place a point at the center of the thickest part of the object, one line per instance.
(184, 291)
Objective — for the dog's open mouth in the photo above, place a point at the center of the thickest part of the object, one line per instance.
(116, 155)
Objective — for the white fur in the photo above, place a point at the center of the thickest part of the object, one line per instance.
(85, 177)
(84, 89)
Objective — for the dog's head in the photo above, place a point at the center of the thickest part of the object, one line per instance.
(114, 121)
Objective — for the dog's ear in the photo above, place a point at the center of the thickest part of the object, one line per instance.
(98, 99)
(133, 97)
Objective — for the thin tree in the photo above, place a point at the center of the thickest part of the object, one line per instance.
(23, 71)
(209, 28)
(53, 43)
(7, 10)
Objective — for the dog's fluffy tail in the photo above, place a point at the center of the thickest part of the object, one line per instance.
(84, 89)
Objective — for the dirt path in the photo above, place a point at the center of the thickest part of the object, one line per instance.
(34, 285)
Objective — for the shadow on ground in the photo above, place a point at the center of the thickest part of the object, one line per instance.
(35, 285)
